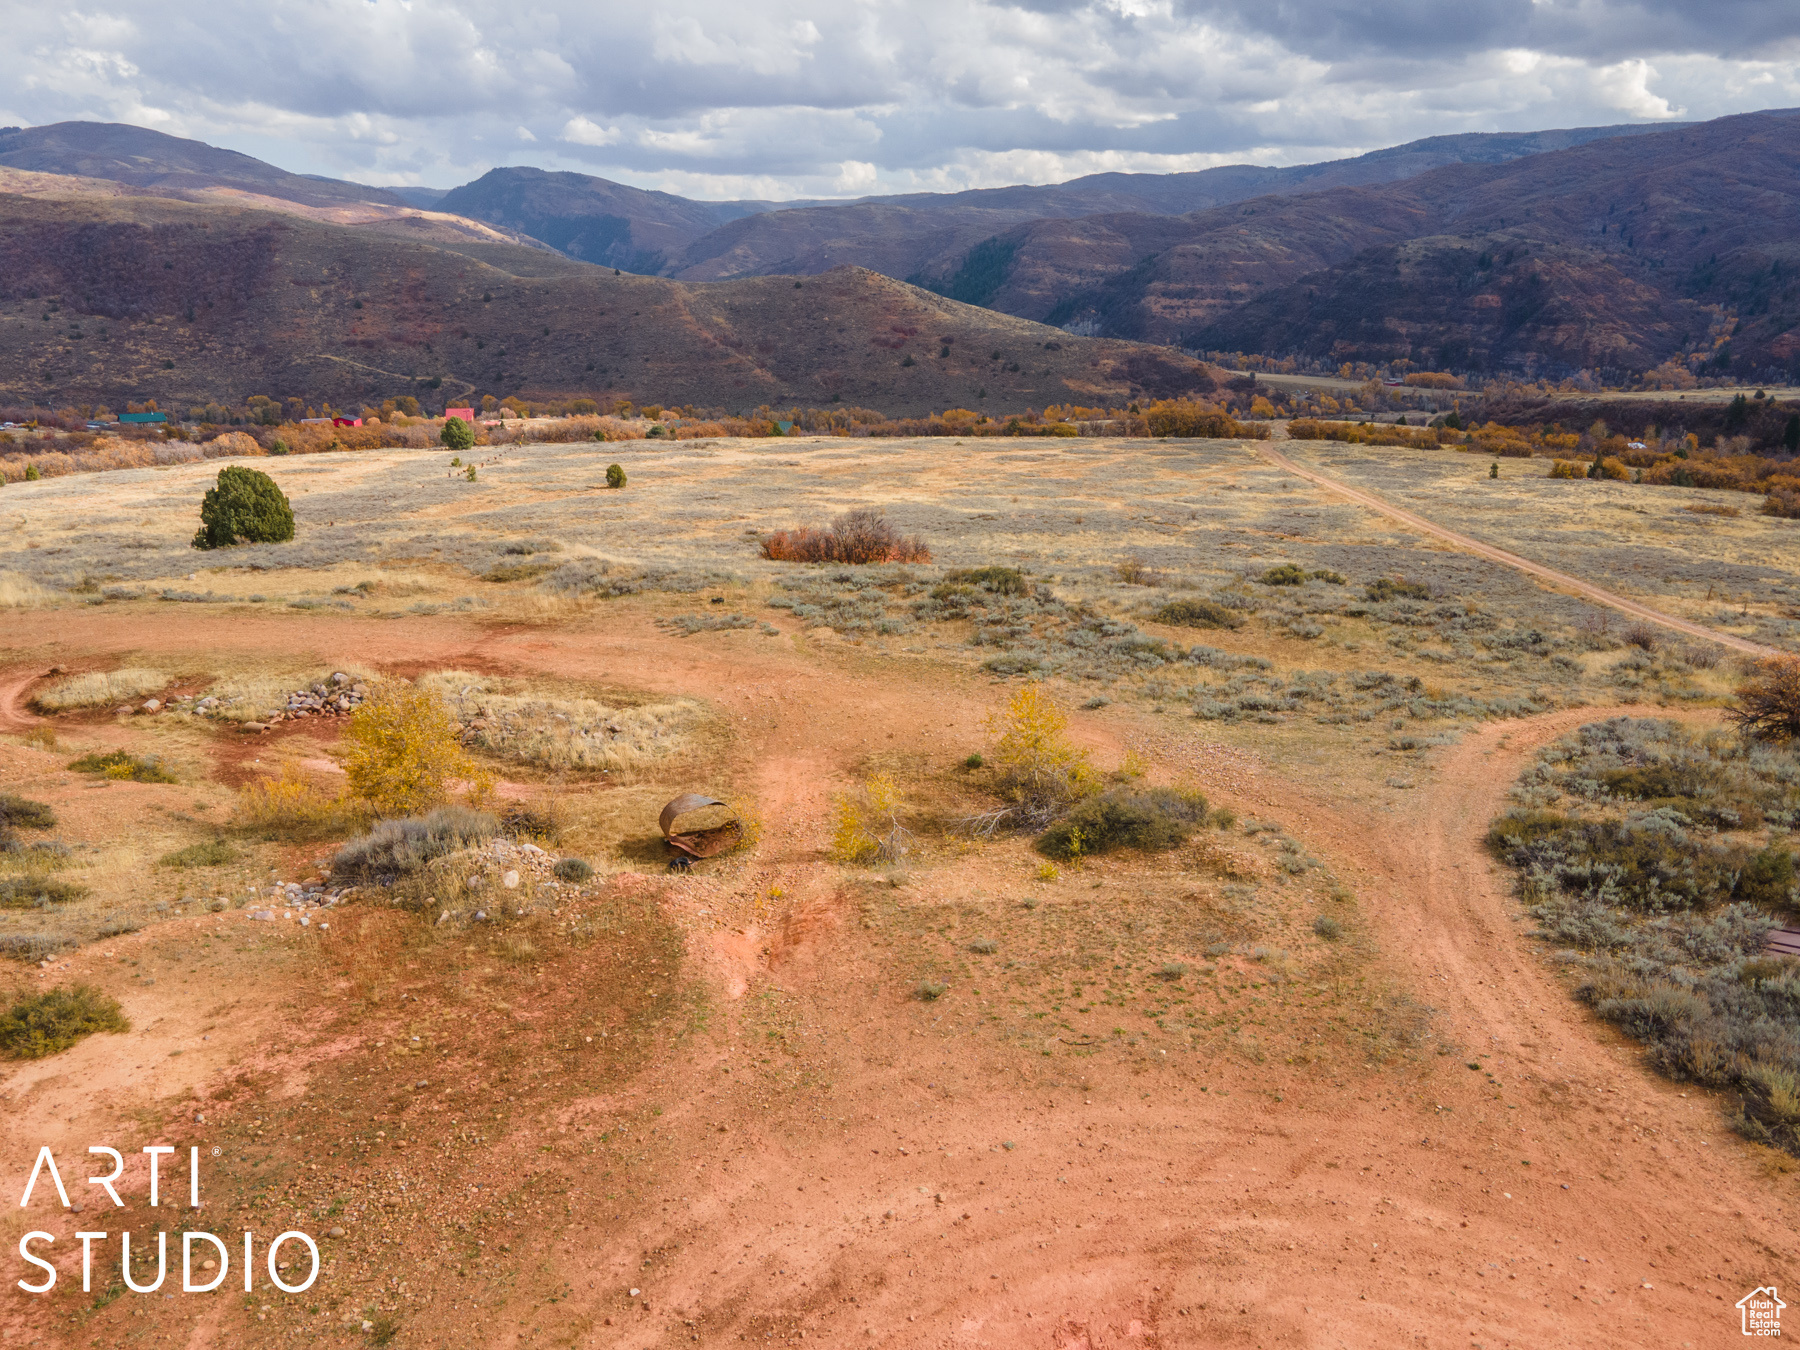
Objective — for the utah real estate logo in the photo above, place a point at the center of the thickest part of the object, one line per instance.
(1762, 1312)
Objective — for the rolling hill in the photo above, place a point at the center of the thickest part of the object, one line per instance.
(591, 219)
(153, 161)
(108, 299)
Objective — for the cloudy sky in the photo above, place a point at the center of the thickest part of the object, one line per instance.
(786, 98)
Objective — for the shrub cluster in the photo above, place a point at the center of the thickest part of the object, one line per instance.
(857, 537)
(21, 813)
(1150, 819)
(398, 848)
(1194, 613)
(1365, 433)
(1189, 419)
(123, 765)
(1640, 851)
(41, 1024)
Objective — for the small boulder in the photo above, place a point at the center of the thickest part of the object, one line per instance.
(152, 705)
(510, 880)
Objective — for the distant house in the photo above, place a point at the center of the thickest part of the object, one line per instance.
(139, 419)
(467, 414)
(315, 421)
(346, 421)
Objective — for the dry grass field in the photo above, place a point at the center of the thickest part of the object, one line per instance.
(1302, 1079)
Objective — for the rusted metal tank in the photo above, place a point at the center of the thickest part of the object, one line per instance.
(698, 826)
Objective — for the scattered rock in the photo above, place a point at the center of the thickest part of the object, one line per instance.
(152, 705)
(334, 1232)
(510, 880)
(264, 915)
(254, 726)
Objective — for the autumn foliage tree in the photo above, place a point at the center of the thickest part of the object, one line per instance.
(406, 751)
(1036, 766)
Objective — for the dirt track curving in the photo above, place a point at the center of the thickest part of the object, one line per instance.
(938, 1185)
(1636, 609)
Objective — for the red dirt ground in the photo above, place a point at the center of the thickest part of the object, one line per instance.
(1597, 1205)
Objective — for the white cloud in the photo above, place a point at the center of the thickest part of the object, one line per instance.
(584, 132)
(856, 177)
(787, 98)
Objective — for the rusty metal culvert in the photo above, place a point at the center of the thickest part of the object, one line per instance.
(700, 827)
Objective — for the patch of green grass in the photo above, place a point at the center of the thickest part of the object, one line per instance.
(121, 764)
(46, 1023)
(212, 853)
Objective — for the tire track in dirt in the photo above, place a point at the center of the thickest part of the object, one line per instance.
(13, 715)
(1636, 609)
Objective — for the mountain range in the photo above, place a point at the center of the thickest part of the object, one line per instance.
(1612, 249)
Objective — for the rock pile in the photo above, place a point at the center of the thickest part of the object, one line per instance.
(292, 900)
(336, 697)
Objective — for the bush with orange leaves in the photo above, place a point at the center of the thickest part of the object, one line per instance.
(860, 536)
(1186, 418)
(1768, 705)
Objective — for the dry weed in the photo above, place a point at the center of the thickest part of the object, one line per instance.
(564, 733)
(21, 592)
(98, 688)
(293, 805)
(866, 826)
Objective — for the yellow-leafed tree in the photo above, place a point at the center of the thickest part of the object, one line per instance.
(406, 750)
(1036, 766)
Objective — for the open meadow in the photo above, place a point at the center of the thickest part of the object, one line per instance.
(922, 1060)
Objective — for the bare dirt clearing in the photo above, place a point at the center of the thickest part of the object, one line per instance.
(824, 1152)
(1153, 1099)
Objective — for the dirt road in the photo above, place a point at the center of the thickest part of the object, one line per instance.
(1561, 580)
(935, 1184)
